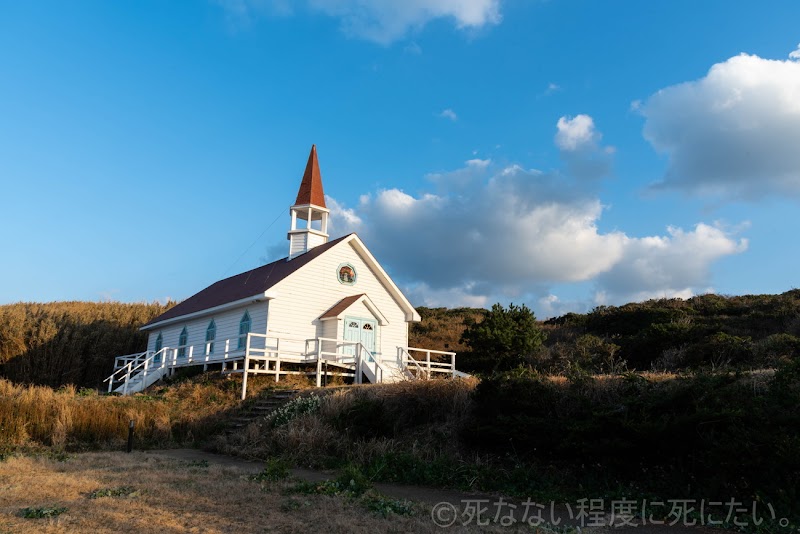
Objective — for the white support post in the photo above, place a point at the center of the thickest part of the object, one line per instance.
(244, 375)
(319, 372)
(428, 363)
(191, 353)
(278, 367)
(359, 365)
(127, 379)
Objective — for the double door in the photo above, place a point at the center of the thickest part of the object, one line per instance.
(361, 330)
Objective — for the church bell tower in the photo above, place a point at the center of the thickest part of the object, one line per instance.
(309, 213)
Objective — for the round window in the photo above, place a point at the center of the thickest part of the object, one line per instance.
(346, 274)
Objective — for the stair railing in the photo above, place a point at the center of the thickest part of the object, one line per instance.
(407, 358)
(140, 362)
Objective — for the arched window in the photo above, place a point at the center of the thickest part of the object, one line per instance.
(211, 335)
(157, 349)
(182, 339)
(244, 329)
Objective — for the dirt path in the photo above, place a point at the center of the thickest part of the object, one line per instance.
(456, 508)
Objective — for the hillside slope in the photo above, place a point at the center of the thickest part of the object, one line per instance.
(75, 342)
(61, 343)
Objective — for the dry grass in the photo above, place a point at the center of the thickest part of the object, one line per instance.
(32, 416)
(424, 415)
(175, 496)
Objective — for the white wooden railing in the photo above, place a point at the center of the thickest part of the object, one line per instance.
(263, 353)
(425, 368)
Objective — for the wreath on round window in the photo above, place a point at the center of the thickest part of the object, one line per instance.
(346, 274)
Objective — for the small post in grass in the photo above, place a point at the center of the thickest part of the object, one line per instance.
(130, 435)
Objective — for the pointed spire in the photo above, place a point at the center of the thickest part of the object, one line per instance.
(311, 187)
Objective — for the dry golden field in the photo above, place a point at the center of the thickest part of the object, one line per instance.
(170, 496)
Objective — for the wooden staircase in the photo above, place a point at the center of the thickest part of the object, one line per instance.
(261, 408)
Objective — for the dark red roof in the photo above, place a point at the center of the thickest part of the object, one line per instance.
(341, 306)
(311, 187)
(247, 284)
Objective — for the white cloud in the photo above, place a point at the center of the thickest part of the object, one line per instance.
(579, 143)
(795, 54)
(448, 114)
(675, 265)
(734, 133)
(551, 305)
(341, 219)
(421, 294)
(452, 181)
(575, 133)
(381, 21)
(508, 233)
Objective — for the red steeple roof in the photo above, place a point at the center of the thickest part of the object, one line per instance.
(311, 187)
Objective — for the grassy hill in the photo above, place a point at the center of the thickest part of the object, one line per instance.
(74, 342)
(62, 343)
(703, 332)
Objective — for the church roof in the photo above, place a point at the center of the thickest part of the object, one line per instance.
(245, 285)
(311, 187)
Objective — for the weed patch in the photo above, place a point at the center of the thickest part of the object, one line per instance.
(42, 512)
(386, 506)
(122, 491)
(276, 469)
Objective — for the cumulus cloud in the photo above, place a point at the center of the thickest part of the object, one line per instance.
(795, 54)
(734, 133)
(673, 265)
(460, 179)
(579, 143)
(576, 133)
(448, 114)
(381, 21)
(497, 233)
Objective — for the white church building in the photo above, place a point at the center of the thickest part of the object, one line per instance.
(328, 308)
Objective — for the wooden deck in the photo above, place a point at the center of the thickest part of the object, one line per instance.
(280, 356)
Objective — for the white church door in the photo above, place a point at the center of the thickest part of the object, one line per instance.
(361, 330)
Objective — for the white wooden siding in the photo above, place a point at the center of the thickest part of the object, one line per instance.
(227, 323)
(298, 244)
(313, 289)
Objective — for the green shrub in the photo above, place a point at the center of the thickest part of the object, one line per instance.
(507, 337)
(669, 437)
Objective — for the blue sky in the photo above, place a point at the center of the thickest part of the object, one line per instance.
(563, 154)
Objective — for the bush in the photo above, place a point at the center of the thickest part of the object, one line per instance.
(506, 338)
(671, 437)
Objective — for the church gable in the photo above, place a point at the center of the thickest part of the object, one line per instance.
(346, 270)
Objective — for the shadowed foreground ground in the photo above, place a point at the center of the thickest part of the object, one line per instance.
(194, 491)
